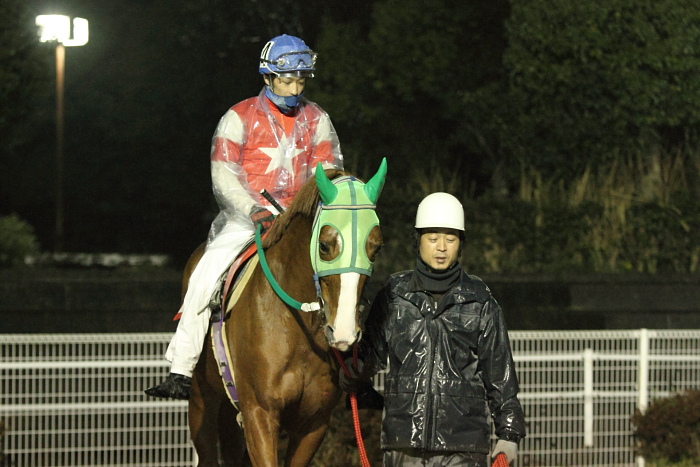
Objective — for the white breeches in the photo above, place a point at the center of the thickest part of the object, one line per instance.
(186, 345)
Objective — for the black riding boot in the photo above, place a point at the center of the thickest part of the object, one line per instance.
(175, 386)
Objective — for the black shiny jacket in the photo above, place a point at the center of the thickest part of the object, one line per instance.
(450, 365)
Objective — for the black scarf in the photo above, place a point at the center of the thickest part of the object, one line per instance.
(436, 282)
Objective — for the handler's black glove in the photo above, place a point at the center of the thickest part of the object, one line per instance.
(367, 397)
(261, 216)
(350, 383)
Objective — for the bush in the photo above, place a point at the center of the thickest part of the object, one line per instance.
(669, 430)
(17, 240)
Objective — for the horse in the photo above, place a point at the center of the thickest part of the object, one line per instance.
(320, 250)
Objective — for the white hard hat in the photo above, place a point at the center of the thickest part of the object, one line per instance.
(440, 210)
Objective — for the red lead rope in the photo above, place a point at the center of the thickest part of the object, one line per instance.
(364, 461)
(500, 460)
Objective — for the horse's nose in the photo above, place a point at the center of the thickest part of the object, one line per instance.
(339, 342)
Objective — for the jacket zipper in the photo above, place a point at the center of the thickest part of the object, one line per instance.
(428, 444)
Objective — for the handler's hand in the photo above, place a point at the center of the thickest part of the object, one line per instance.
(353, 382)
(509, 448)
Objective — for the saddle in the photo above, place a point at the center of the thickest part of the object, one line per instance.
(232, 282)
(230, 275)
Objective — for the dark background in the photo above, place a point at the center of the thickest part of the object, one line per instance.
(465, 93)
(142, 99)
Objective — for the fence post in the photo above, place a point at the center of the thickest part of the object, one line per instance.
(643, 396)
(588, 397)
(643, 378)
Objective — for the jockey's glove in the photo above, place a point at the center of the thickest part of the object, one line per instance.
(261, 216)
(509, 448)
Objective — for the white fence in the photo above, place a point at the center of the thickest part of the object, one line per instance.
(77, 400)
(579, 390)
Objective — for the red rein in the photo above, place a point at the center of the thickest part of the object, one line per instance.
(364, 461)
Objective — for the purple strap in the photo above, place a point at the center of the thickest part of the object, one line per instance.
(222, 360)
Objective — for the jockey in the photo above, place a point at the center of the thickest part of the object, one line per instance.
(273, 141)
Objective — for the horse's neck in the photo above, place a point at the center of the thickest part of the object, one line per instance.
(291, 258)
(290, 261)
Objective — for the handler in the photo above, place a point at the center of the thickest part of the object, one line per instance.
(450, 362)
(273, 141)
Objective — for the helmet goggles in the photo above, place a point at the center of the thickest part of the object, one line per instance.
(293, 61)
(287, 55)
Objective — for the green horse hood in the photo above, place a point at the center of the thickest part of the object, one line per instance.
(348, 205)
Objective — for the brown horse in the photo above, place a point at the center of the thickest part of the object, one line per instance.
(285, 372)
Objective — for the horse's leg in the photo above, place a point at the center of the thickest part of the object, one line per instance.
(303, 446)
(203, 415)
(231, 439)
(212, 419)
(262, 436)
(214, 430)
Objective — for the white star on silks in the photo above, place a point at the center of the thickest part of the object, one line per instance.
(277, 158)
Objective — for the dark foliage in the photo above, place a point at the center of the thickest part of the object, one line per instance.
(17, 240)
(670, 428)
(340, 446)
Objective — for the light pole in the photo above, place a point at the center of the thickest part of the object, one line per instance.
(58, 28)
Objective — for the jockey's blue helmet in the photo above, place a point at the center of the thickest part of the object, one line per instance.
(287, 55)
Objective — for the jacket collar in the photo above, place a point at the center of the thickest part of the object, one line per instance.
(464, 292)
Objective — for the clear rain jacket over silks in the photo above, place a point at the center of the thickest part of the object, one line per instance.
(450, 364)
(255, 146)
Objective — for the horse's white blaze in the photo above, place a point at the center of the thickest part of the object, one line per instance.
(344, 324)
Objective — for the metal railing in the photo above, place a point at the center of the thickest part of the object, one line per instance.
(77, 399)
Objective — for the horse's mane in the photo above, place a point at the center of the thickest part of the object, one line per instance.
(304, 204)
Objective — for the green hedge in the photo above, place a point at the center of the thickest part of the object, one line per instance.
(17, 240)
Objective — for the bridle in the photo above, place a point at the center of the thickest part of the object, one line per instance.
(347, 201)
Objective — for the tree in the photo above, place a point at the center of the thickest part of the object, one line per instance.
(392, 85)
(591, 81)
(23, 79)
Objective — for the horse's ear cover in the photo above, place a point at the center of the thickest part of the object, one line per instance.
(373, 188)
(326, 189)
